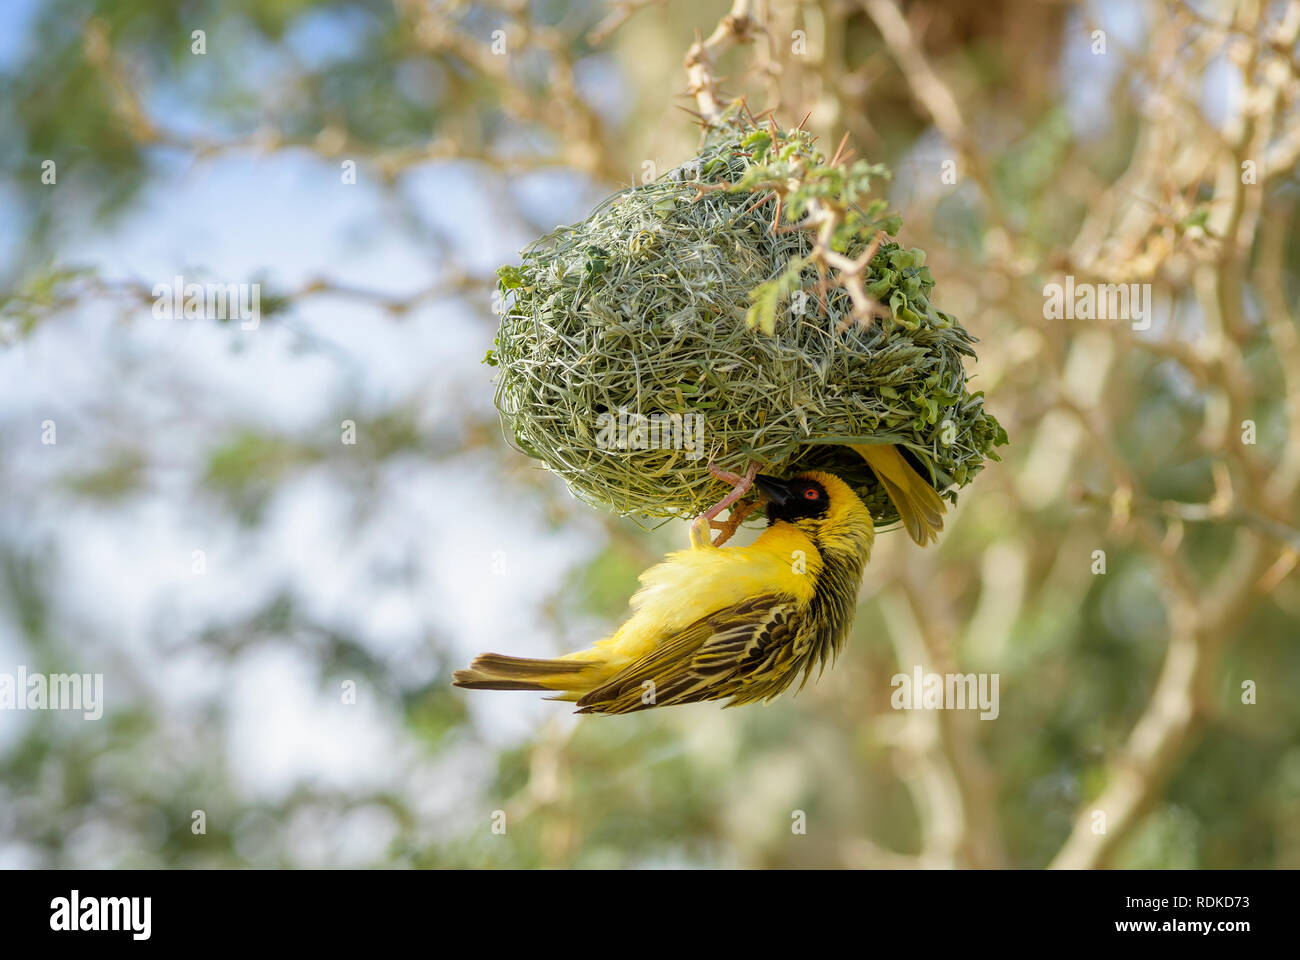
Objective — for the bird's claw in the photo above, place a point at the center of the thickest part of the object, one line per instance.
(700, 535)
(706, 522)
(735, 479)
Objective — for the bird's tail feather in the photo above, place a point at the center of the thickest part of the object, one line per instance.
(918, 504)
(496, 671)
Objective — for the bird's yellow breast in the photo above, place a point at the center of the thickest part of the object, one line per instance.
(691, 584)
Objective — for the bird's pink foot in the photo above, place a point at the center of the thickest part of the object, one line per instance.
(708, 519)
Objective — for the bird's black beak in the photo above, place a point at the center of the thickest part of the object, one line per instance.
(778, 491)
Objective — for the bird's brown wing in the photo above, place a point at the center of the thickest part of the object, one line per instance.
(748, 651)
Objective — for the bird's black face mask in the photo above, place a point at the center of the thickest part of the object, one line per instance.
(793, 500)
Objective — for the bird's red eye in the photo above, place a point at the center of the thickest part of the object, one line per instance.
(810, 494)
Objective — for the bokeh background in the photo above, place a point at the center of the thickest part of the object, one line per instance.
(201, 535)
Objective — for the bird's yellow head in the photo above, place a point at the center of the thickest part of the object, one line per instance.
(824, 507)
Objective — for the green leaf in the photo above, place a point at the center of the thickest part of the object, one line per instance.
(510, 277)
(760, 142)
(766, 298)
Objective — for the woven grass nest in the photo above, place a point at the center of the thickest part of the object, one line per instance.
(677, 298)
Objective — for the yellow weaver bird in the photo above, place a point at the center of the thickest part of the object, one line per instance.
(735, 623)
